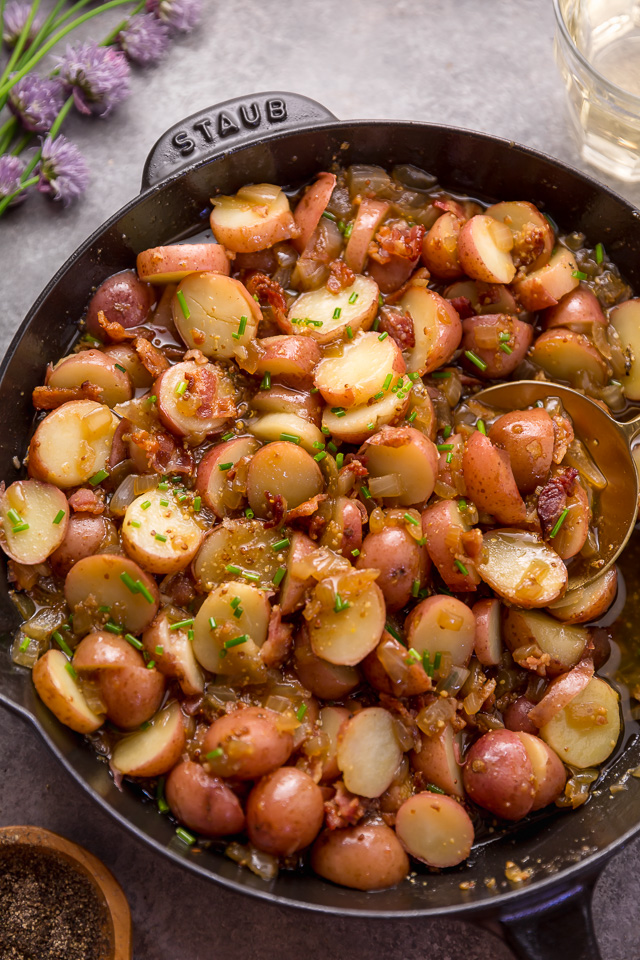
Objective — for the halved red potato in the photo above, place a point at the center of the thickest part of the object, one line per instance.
(498, 775)
(369, 753)
(577, 311)
(172, 652)
(545, 287)
(311, 206)
(253, 741)
(368, 856)
(358, 369)
(96, 367)
(85, 535)
(173, 263)
(568, 356)
(528, 436)
(241, 543)
(488, 640)
(350, 621)
(549, 773)
(410, 455)
(533, 236)
(390, 670)
(102, 650)
(125, 356)
(72, 443)
(434, 829)
(330, 721)
(34, 518)
(282, 469)
(329, 681)
(516, 716)
(293, 587)
(195, 400)
(438, 759)
(237, 610)
(291, 358)
(203, 802)
(443, 524)
(572, 535)
(347, 521)
(399, 559)
(60, 691)
(255, 218)
(560, 692)
(270, 427)
(281, 399)
(521, 568)
(588, 602)
(625, 318)
(210, 310)
(212, 483)
(562, 645)
(159, 533)
(499, 341)
(154, 750)
(285, 811)
(490, 482)
(440, 248)
(325, 316)
(484, 249)
(115, 582)
(442, 624)
(370, 215)
(493, 298)
(585, 732)
(357, 424)
(123, 298)
(436, 327)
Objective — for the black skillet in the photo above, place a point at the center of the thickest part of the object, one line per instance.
(285, 138)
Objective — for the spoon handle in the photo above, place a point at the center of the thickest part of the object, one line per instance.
(631, 428)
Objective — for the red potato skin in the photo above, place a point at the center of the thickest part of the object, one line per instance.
(202, 802)
(543, 353)
(573, 533)
(182, 258)
(285, 811)
(368, 856)
(281, 399)
(257, 727)
(482, 611)
(292, 590)
(516, 716)
(351, 528)
(394, 437)
(577, 311)
(431, 761)
(310, 208)
(499, 364)
(490, 482)
(551, 779)
(221, 453)
(449, 337)
(396, 554)
(414, 682)
(498, 775)
(302, 352)
(392, 275)
(84, 535)
(528, 437)
(470, 259)
(123, 298)
(440, 248)
(438, 521)
(329, 681)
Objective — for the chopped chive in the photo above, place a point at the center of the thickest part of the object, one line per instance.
(144, 591)
(249, 514)
(355, 552)
(291, 437)
(427, 666)
(599, 253)
(164, 503)
(153, 399)
(58, 517)
(436, 660)
(431, 787)
(561, 520)
(331, 447)
(232, 568)
(179, 624)
(446, 433)
(102, 610)
(181, 498)
(349, 333)
(161, 803)
(159, 649)
(62, 643)
(539, 403)
(300, 712)
(120, 367)
(238, 612)
(185, 836)
(24, 646)
(281, 544)
(326, 431)
(318, 445)
(415, 588)
(225, 466)
(340, 604)
(313, 390)
(69, 668)
(412, 416)
(449, 456)
(113, 627)
(164, 485)
(236, 641)
(383, 336)
(235, 602)
(394, 633)
(266, 381)
(413, 657)
(481, 427)
(214, 754)
(133, 641)
(320, 456)
(410, 519)
(336, 313)
(365, 492)
(20, 528)
(227, 436)
(505, 335)
(387, 382)
(15, 517)
(579, 275)
(380, 300)
(441, 374)
(462, 504)
(422, 541)
(506, 348)
(98, 477)
(413, 376)
(212, 623)
(375, 324)
(347, 230)
(474, 358)
(371, 426)
(445, 446)
(197, 504)
(329, 216)
(134, 523)
(151, 664)
(146, 504)
(181, 389)
(339, 460)
(378, 396)
(161, 537)
(461, 567)
(279, 576)
(186, 313)
(353, 297)
(338, 411)
(243, 325)
(129, 582)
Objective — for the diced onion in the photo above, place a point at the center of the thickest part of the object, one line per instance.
(262, 864)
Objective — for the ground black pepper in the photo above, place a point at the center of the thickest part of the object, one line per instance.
(48, 910)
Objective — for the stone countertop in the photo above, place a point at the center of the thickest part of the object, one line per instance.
(482, 64)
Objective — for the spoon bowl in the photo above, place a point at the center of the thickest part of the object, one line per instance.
(609, 443)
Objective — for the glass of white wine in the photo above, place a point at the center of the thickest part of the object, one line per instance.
(597, 49)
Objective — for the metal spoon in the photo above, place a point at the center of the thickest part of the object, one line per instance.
(609, 443)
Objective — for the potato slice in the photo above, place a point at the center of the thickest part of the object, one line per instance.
(60, 691)
(310, 208)
(560, 692)
(440, 248)
(241, 543)
(436, 327)
(438, 760)
(212, 483)
(271, 427)
(72, 443)
(579, 311)
(408, 454)
(291, 358)
(221, 608)
(255, 218)
(528, 436)
(357, 424)
(563, 644)
(159, 533)
(195, 400)
(125, 356)
(282, 469)
(443, 524)
(434, 829)
(330, 721)
(492, 298)
(588, 602)
(359, 369)
(490, 482)
(34, 517)
(488, 640)
(545, 287)
(325, 316)
(533, 236)
(154, 750)
(345, 634)
(96, 367)
(442, 624)
(548, 770)
(172, 652)
(370, 215)
(368, 752)
(520, 567)
(282, 399)
(625, 318)
(115, 582)
(368, 856)
(586, 731)
(172, 264)
(498, 357)
(209, 311)
(572, 535)
(484, 249)
(568, 356)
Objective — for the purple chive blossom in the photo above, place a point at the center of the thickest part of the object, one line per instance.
(63, 170)
(16, 14)
(144, 39)
(36, 101)
(10, 172)
(98, 76)
(182, 15)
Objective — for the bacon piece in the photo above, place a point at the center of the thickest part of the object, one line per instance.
(202, 386)
(552, 499)
(463, 307)
(84, 500)
(305, 509)
(197, 356)
(399, 326)
(317, 525)
(340, 276)
(355, 465)
(265, 289)
(397, 239)
(164, 454)
(150, 357)
(472, 543)
(114, 330)
(451, 206)
(277, 506)
(277, 646)
(49, 398)
(345, 809)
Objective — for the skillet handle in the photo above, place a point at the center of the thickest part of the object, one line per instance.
(560, 928)
(233, 123)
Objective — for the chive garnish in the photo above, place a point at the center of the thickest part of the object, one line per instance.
(355, 552)
(164, 485)
(331, 447)
(579, 275)
(437, 659)
(185, 836)
(347, 231)
(164, 503)
(506, 348)
(329, 216)
(134, 523)
(153, 399)
(129, 582)
(411, 417)
(69, 668)
(300, 712)
(313, 390)
(236, 641)
(212, 623)
(98, 477)
(24, 646)
(291, 437)
(214, 754)
(144, 591)
(318, 445)
(62, 643)
(181, 389)
(449, 457)
(20, 528)
(336, 313)
(15, 517)
(561, 520)
(163, 806)
(161, 537)
(371, 426)
(235, 602)
(338, 411)
(505, 335)
(225, 466)
(58, 517)
(353, 297)
(394, 633)
(281, 544)
(431, 787)
(349, 333)
(279, 576)
(151, 664)
(446, 433)
(159, 649)
(243, 326)
(113, 627)
(474, 358)
(227, 436)
(410, 519)
(145, 505)
(427, 666)
(249, 514)
(339, 460)
(266, 381)
(599, 253)
(461, 567)
(422, 541)
(383, 336)
(375, 324)
(481, 427)
(320, 456)
(133, 641)
(325, 430)
(441, 374)
(412, 657)
(442, 447)
(387, 382)
(340, 604)
(186, 313)
(462, 504)
(120, 367)
(415, 588)
(179, 624)
(197, 504)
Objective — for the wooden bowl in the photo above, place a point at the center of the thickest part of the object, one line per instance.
(107, 888)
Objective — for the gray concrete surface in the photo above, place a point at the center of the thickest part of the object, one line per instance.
(482, 64)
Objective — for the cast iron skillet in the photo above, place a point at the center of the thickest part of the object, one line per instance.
(285, 139)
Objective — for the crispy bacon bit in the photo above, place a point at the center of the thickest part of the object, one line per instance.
(261, 286)
(354, 465)
(150, 357)
(528, 244)
(49, 398)
(114, 330)
(397, 239)
(163, 452)
(399, 326)
(179, 588)
(532, 659)
(463, 307)
(471, 541)
(277, 507)
(279, 642)
(317, 525)
(197, 356)
(306, 509)
(552, 499)
(340, 276)
(345, 809)
(84, 500)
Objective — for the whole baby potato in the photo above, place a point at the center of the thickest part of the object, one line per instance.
(251, 742)
(285, 811)
(528, 437)
(84, 535)
(368, 856)
(203, 802)
(498, 775)
(396, 554)
(123, 298)
(330, 681)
